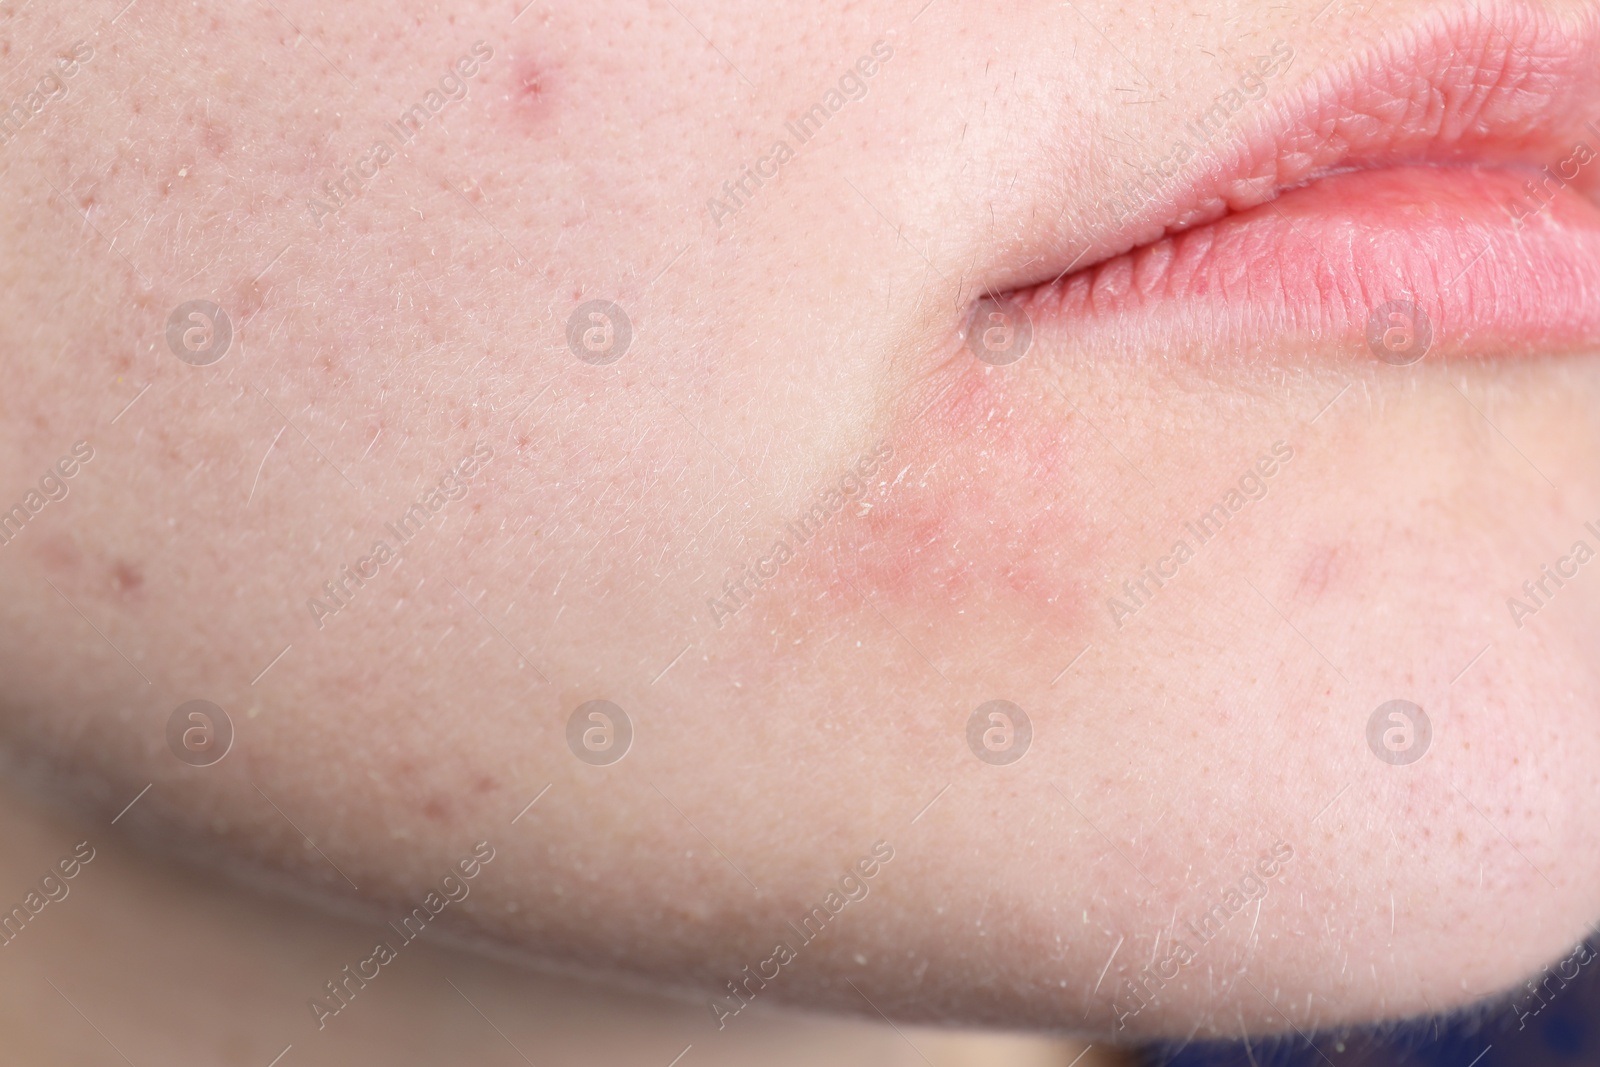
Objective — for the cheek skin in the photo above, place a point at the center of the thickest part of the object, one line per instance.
(1211, 724)
(533, 100)
(980, 505)
(1016, 500)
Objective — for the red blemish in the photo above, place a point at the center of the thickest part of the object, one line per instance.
(1318, 572)
(127, 578)
(977, 511)
(436, 809)
(530, 90)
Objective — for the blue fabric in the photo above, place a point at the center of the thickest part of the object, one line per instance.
(1562, 1027)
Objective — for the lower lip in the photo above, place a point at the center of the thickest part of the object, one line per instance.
(1489, 267)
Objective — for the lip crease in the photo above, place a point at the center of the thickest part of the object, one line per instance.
(1402, 175)
(1313, 265)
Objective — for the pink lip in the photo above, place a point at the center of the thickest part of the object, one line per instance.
(1402, 175)
(1494, 270)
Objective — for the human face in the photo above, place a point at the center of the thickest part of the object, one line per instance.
(1213, 384)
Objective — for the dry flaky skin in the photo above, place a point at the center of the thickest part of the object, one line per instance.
(779, 735)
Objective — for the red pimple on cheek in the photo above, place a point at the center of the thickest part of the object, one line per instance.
(531, 84)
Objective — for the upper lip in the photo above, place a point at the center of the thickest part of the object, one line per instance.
(1501, 84)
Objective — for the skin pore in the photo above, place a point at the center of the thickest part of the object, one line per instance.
(408, 326)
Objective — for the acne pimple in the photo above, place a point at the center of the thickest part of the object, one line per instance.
(531, 84)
